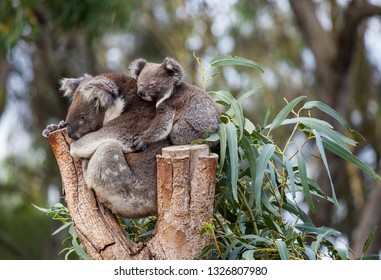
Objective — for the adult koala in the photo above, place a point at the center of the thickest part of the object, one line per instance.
(104, 116)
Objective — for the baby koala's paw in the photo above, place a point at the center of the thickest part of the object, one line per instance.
(140, 143)
(53, 127)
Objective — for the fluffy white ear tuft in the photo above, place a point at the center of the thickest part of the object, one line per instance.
(137, 66)
(174, 69)
(102, 90)
(70, 85)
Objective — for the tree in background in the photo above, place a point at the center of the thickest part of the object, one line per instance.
(315, 48)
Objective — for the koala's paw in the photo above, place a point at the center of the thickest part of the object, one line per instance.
(53, 127)
(139, 143)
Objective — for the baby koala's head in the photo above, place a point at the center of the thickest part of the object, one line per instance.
(156, 81)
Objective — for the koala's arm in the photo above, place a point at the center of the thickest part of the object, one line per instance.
(159, 128)
(86, 146)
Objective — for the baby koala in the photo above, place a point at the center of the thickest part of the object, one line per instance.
(183, 112)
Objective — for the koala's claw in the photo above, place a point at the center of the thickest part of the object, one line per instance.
(139, 143)
(53, 127)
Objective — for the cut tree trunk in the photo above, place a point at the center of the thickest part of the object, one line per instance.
(185, 185)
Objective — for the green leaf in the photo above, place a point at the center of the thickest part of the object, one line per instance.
(248, 255)
(62, 228)
(230, 247)
(311, 228)
(304, 181)
(297, 211)
(251, 153)
(228, 60)
(368, 241)
(268, 113)
(320, 237)
(233, 156)
(213, 138)
(328, 110)
(319, 144)
(249, 126)
(343, 253)
(310, 253)
(223, 144)
(282, 248)
(324, 128)
(249, 93)
(236, 108)
(291, 176)
(348, 156)
(257, 239)
(261, 163)
(285, 111)
(45, 210)
(77, 247)
(269, 206)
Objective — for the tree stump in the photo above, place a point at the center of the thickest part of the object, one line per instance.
(185, 185)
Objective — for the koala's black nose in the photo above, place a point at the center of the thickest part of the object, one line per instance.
(141, 90)
(72, 134)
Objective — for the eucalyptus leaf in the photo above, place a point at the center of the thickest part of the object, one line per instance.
(291, 177)
(319, 144)
(311, 228)
(257, 239)
(235, 111)
(285, 112)
(232, 138)
(304, 181)
(330, 111)
(251, 153)
(261, 163)
(248, 94)
(368, 241)
(310, 253)
(62, 228)
(322, 236)
(228, 60)
(248, 255)
(343, 253)
(348, 156)
(282, 248)
(223, 144)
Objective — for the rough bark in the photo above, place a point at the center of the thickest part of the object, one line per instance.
(185, 202)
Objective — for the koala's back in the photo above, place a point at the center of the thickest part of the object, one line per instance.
(194, 106)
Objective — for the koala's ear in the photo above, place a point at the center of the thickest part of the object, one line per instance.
(137, 66)
(70, 85)
(102, 90)
(174, 69)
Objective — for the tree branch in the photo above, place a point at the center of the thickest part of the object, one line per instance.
(353, 16)
(318, 40)
(186, 184)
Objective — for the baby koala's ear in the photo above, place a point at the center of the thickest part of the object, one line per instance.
(137, 66)
(174, 69)
(70, 85)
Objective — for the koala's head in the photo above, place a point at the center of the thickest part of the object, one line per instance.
(94, 101)
(156, 81)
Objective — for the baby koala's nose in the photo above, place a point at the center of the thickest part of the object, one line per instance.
(141, 90)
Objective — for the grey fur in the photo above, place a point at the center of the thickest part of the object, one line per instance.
(183, 112)
(125, 183)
